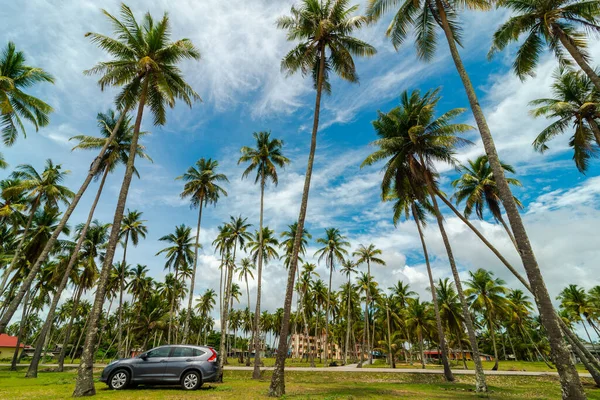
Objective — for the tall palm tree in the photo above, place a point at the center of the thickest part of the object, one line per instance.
(43, 189)
(424, 16)
(406, 203)
(132, 227)
(348, 268)
(575, 106)
(144, 65)
(486, 295)
(478, 189)
(451, 313)
(202, 187)
(333, 250)
(265, 157)
(237, 235)
(245, 269)
(368, 255)
(116, 152)
(552, 23)
(326, 46)
(179, 254)
(15, 76)
(411, 140)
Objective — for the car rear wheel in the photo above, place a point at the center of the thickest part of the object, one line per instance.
(191, 380)
(118, 380)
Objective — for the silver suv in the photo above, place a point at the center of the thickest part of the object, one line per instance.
(189, 366)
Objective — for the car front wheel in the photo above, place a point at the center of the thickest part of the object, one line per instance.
(118, 380)
(191, 380)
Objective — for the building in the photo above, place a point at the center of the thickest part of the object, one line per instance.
(8, 345)
(301, 346)
(435, 355)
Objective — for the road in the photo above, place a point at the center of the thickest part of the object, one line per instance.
(352, 368)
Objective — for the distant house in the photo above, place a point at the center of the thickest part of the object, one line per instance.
(8, 345)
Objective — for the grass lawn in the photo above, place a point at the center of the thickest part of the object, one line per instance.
(300, 385)
(533, 366)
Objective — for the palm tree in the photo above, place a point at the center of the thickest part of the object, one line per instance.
(179, 254)
(237, 234)
(549, 22)
(368, 255)
(15, 104)
(246, 267)
(478, 188)
(406, 203)
(333, 250)
(116, 152)
(264, 158)
(144, 65)
(424, 15)
(324, 31)
(486, 295)
(348, 268)
(132, 228)
(411, 139)
(575, 105)
(42, 189)
(202, 187)
(419, 319)
(451, 313)
(576, 301)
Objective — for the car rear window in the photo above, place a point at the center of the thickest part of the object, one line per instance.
(197, 352)
(182, 352)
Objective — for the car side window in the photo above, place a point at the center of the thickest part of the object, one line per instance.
(182, 352)
(197, 352)
(158, 353)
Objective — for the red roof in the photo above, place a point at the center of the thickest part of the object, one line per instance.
(8, 341)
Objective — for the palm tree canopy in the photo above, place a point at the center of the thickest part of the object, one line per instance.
(264, 158)
(117, 151)
(333, 249)
(368, 254)
(412, 140)
(486, 293)
(45, 188)
(202, 183)
(15, 104)
(477, 187)
(541, 20)
(144, 55)
(133, 226)
(180, 252)
(269, 245)
(287, 243)
(324, 27)
(574, 107)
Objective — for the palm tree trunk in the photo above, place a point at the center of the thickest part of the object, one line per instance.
(348, 324)
(103, 326)
(223, 344)
(13, 262)
(480, 384)
(421, 350)
(389, 334)
(369, 344)
(14, 304)
(462, 351)
(121, 290)
(256, 371)
(74, 352)
(595, 129)
(85, 378)
(326, 354)
(186, 325)
(595, 374)
(172, 309)
(568, 44)
(512, 346)
(508, 232)
(364, 346)
(251, 342)
(444, 350)
(35, 361)
(67, 339)
(13, 365)
(277, 387)
(570, 382)
(493, 334)
(318, 336)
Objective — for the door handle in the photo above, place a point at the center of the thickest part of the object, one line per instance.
(163, 361)
(189, 360)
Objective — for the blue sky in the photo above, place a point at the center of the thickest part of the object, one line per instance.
(243, 89)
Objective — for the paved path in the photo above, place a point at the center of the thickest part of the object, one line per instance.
(352, 368)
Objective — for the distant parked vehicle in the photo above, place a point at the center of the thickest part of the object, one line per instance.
(189, 366)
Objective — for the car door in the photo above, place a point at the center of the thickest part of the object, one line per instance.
(181, 357)
(152, 365)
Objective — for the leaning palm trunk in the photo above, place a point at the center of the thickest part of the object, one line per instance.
(74, 351)
(493, 334)
(15, 359)
(14, 304)
(480, 384)
(277, 387)
(63, 350)
(121, 353)
(256, 370)
(595, 129)
(438, 320)
(570, 382)
(567, 42)
(186, 325)
(85, 377)
(35, 361)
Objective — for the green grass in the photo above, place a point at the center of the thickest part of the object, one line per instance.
(300, 385)
(532, 366)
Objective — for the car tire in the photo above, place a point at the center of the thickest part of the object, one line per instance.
(191, 380)
(119, 379)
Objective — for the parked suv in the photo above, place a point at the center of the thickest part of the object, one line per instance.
(189, 366)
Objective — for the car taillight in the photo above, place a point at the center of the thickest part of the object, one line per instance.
(213, 357)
